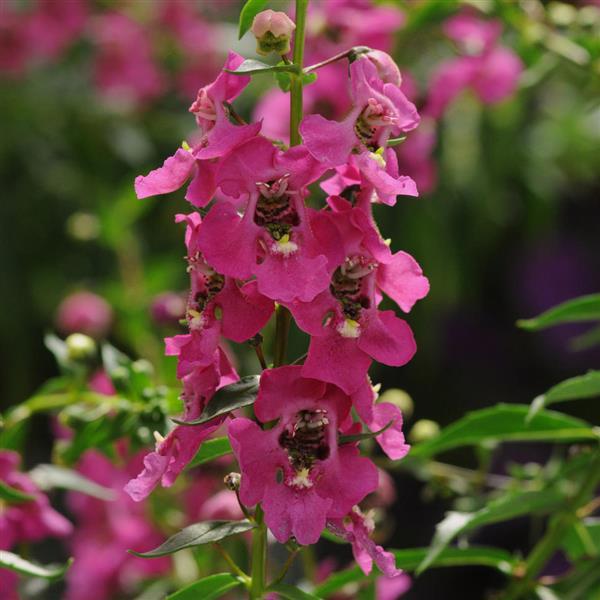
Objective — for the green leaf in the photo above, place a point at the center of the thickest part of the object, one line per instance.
(47, 477)
(291, 592)
(208, 588)
(506, 422)
(249, 11)
(410, 558)
(582, 540)
(584, 308)
(210, 450)
(13, 495)
(14, 562)
(284, 80)
(228, 398)
(359, 437)
(506, 507)
(252, 67)
(197, 534)
(583, 386)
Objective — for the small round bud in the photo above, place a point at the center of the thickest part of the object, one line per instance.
(386, 67)
(232, 481)
(273, 32)
(83, 226)
(80, 347)
(400, 399)
(423, 430)
(167, 308)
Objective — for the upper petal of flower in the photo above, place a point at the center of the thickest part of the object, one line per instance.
(170, 177)
(402, 280)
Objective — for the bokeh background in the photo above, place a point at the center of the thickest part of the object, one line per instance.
(507, 223)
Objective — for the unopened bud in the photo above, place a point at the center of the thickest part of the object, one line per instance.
(80, 347)
(386, 67)
(273, 32)
(423, 430)
(400, 399)
(232, 481)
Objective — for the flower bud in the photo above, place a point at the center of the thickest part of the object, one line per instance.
(232, 481)
(273, 31)
(80, 347)
(168, 308)
(386, 67)
(423, 430)
(400, 399)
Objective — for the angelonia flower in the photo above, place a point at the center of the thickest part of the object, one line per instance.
(27, 521)
(490, 70)
(84, 312)
(260, 241)
(273, 32)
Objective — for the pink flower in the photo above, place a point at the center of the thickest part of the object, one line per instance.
(296, 469)
(84, 312)
(106, 530)
(273, 239)
(380, 111)
(124, 69)
(392, 588)
(489, 69)
(415, 156)
(386, 66)
(168, 308)
(218, 136)
(216, 304)
(356, 528)
(377, 416)
(175, 451)
(346, 327)
(28, 521)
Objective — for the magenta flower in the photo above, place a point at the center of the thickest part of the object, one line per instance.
(84, 312)
(377, 416)
(392, 588)
(490, 70)
(273, 239)
(380, 111)
(106, 530)
(356, 528)
(216, 305)
(346, 326)
(175, 451)
(26, 521)
(217, 137)
(296, 470)
(124, 68)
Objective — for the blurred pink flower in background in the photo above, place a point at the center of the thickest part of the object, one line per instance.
(106, 530)
(492, 71)
(84, 312)
(168, 308)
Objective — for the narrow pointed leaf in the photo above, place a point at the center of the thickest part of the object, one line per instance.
(396, 141)
(410, 558)
(211, 450)
(584, 308)
(506, 507)
(231, 397)
(583, 539)
(359, 437)
(13, 495)
(290, 592)
(208, 588)
(47, 477)
(14, 562)
(503, 423)
(197, 535)
(247, 14)
(252, 67)
(575, 388)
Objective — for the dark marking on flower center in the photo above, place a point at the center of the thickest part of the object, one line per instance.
(305, 442)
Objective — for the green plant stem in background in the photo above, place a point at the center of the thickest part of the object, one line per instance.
(555, 533)
(283, 316)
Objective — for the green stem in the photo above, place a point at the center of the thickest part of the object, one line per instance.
(259, 556)
(555, 533)
(283, 316)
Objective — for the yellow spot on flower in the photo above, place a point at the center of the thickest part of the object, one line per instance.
(186, 146)
(301, 479)
(349, 328)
